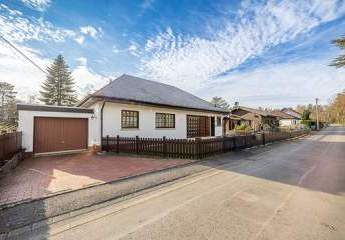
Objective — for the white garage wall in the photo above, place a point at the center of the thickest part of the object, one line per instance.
(112, 121)
(26, 125)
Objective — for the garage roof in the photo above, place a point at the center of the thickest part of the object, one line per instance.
(51, 108)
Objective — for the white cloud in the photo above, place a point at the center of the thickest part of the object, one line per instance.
(147, 4)
(279, 85)
(115, 50)
(191, 62)
(26, 78)
(19, 28)
(134, 49)
(82, 61)
(39, 5)
(80, 39)
(86, 80)
(91, 31)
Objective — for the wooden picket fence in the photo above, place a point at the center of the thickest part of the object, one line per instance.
(10, 143)
(191, 148)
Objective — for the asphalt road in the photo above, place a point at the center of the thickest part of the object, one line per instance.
(290, 190)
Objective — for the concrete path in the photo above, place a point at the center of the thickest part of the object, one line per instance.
(294, 190)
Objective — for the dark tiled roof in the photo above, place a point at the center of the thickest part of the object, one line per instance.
(292, 112)
(52, 108)
(130, 88)
(255, 111)
(283, 115)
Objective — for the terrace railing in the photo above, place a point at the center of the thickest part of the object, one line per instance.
(191, 148)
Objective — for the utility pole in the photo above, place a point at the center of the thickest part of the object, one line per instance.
(317, 114)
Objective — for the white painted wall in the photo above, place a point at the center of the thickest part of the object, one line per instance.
(285, 122)
(26, 125)
(289, 122)
(112, 121)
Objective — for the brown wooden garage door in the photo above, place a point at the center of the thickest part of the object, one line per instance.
(59, 134)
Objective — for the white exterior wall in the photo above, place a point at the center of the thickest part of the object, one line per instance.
(285, 122)
(112, 121)
(289, 122)
(26, 125)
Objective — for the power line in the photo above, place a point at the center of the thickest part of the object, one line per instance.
(23, 54)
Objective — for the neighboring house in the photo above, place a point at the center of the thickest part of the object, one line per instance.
(256, 118)
(288, 118)
(129, 107)
(232, 121)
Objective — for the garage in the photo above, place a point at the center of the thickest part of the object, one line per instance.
(60, 134)
(57, 129)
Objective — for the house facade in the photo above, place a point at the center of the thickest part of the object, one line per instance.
(131, 106)
(126, 107)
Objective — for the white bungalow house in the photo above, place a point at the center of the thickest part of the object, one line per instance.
(128, 106)
(288, 118)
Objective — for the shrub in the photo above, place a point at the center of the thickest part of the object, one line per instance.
(243, 127)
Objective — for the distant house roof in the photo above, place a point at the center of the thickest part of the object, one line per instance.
(138, 90)
(283, 115)
(235, 117)
(292, 112)
(255, 111)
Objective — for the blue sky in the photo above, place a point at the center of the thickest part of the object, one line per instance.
(260, 53)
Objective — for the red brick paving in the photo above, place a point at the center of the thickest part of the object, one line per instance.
(39, 177)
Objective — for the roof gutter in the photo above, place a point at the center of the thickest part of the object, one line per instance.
(103, 104)
(123, 100)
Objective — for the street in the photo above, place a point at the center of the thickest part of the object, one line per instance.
(289, 190)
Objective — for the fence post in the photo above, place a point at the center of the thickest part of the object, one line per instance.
(164, 146)
(263, 138)
(117, 144)
(234, 142)
(16, 140)
(245, 140)
(198, 148)
(107, 148)
(136, 144)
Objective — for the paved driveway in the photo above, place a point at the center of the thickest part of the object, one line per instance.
(39, 177)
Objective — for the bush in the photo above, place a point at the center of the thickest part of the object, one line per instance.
(243, 127)
(309, 123)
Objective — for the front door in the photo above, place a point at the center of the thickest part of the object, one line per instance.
(212, 126)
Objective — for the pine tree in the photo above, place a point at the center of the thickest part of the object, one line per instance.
(339, 61)
(58, 87)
